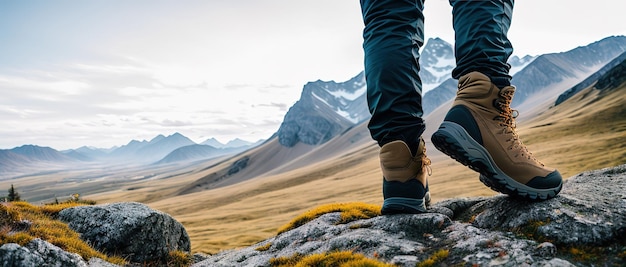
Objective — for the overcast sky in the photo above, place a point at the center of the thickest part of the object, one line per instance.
(103, 72)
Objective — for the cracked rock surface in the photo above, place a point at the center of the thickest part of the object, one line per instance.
(585, 225)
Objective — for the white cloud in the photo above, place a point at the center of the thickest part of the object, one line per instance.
(225, 69)
(49, 87)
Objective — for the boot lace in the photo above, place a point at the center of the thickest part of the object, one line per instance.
(426, 162)
(506, 119)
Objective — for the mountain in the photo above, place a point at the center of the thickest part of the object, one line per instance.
(31, 158)
(198, 152)
(436, 63)
(11, 161)
(551, 74)
(150, 151)
(274, 183)
(434, 98)
(446, 90)
(237, 143)
(77, 155)
(160, 146)
(92, 152)
(38, 153)
(591, 79)
(324, 110)
(518, 63)
(128, 150)
(615, 77)
(213, 142)
(585, 132)
(592, 123)
(541, 79)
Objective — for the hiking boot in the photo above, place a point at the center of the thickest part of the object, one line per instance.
(479, 132)
(405, 183)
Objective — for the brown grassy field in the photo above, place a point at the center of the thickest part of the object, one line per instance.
(584, 133)
(573, 137)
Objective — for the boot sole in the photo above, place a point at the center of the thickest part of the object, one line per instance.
(401, 205)
(454, 141)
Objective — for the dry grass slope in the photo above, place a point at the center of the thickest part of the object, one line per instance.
(586, 132)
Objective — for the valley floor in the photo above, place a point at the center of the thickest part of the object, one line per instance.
(573, 137)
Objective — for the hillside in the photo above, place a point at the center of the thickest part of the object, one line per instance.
(565, 137)
(583, 226)
(236, 200)
(588, 129)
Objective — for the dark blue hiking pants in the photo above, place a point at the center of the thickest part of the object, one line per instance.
(393, 35)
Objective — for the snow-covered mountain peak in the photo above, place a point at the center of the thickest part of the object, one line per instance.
(518, 63)
(436, 63)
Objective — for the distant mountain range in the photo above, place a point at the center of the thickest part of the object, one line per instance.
(328, 109)
(159, 150)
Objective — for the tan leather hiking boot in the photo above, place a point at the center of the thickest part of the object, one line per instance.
(479, 132)
(405, 183)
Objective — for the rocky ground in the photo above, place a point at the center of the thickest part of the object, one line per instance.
(584, 226)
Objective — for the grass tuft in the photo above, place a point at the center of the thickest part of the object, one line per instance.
(264, 247)
(329, 259)
(179, 258)
(437, 257)
(42, 225)
(349, 212)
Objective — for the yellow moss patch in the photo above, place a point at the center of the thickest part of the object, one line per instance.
(54, 209)
(264, 247)
(437, 257)
(349, 212)
(43, 226)
(19, 238)
(330, 259)
(530, 230)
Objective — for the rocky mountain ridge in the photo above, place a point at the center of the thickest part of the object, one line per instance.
(322, 113)
(612, 69)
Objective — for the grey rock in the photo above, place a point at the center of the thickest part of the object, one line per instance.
(97, 262)
(131, 230)
(546, 250)
(481, 231)
(591, 210)
(38, 253)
